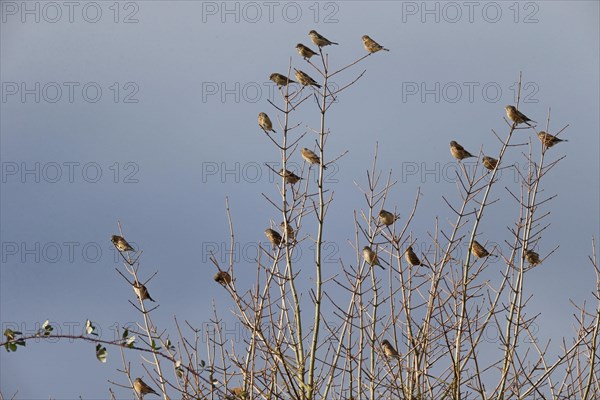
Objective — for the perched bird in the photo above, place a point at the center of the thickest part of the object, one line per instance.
(291, 235)
(532, 257)
(319, 40)
(305, 52)
(273, 236)
(141, 388)
(222, 277)
(478, 250)
(517, 116)
(389, 350)
(371, 257)
(411, 257)
(289, 176)
(372, 46)
(310, 156)
(489, 162)
(306, 80)
(549, 140)
(120, 243)
(458, 151)
(238, 393)
(141, 291)
(265, 123)
(387, 218)
(281, 80)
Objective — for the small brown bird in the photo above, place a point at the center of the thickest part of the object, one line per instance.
(478, 250)
(273, 236)
(291, 235)
(238, 393)
(120, 243)
(458, 151)
(305, 80)
(387, 218)
(389, 350)
(372, 46)
(281, 80)
(141, 291)
(305, 52)
(265, 123)
(489, 162)
(371, 257)
(289, 176)
(411, 257)
(532, 257)
(517, 116)
(141, 388)
(319, 39)
(549, 140)
(310, 156)
(222, 277)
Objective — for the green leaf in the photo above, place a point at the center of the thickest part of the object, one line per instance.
(89, 328)
(101, 353)
(12, 347)
(125, 333)
(10, 334)
(202, 363)
(130, 341)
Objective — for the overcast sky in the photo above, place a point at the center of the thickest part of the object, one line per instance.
(145, 112)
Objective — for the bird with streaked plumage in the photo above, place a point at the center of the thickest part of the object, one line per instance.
(281, 80)
(549, 140)
(305, 79)
(371, 257)
(310, 156)
(458, 151)
(265, 123)
(389, 350)
(517, 116)
(141, 291)
(305, 51)
(120, 243)
(319, 39)
(141, 388)
(372, 46)
(489, 162)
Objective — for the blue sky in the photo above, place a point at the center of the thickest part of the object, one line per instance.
(151, 120)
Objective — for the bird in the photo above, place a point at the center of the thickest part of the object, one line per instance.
(222, 277)
(372, 46)
(141, 291)
(387, 218)
(411, 257)
(238, 393)
(305, 80)
(141, 388)
(310, 156)
(532, 257)
(120, 243)
(549, 140)
(281, 80)
(388, 349)
(478, 250)
(273, 236)
(517, 116)
(458, 151)
(489, 162)
(291, 235)
(305, 51)
(371, 257)
(319, 39)
(265, 123)
(289, 176)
